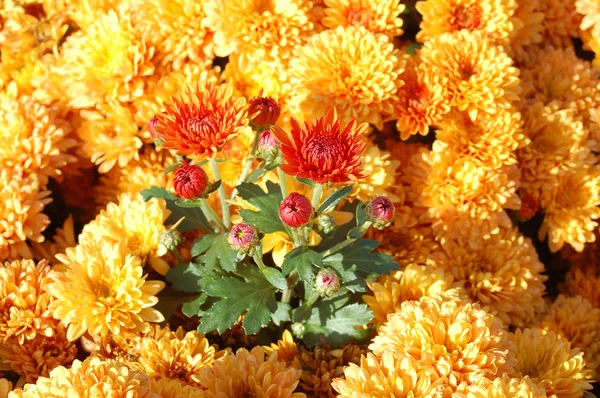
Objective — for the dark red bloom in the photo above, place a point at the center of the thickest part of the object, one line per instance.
(264, 111)
(190, 181)
(296, 210)
(323, 151)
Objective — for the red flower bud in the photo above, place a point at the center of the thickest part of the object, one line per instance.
(243, 237)
(296, 210)
(529, 206)
(267, 140)
(265, 110)
(190, 181)
(380, 211)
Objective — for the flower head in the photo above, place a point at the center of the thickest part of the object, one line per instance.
(243, 237)
(323, 151)
(508, 387)
(380, 170)
(152, 123)
(268, 147)
(327, 282)
(264, 111)
(380, 211)
(296, 210)
(378, 16)
(190, 181)
(173, 388)
(202, 120)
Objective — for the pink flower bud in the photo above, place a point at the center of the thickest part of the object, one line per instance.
(327, 282)
(265, 110)
(380, 211)
(267, 140)
(296, 210)
(243, 237)
(190, 181)
(152, 128)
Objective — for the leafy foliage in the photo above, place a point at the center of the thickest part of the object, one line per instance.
(266, 219)
(194, 218)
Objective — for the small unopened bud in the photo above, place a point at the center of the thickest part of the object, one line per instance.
(380, 212)
(327, 282)
(529, 206)
(243, 238)
(266, 111)
(170, 239)
(268, 147)
(326, 224)
(190, 181)
(296, 210)
(152, 130)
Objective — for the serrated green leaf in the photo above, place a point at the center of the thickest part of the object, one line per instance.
(203, 244)
(185, 277)
(192, 308)
(337, 324)
(348, 277)
(274, 277)
(266, 219)
(281, 314)
(334, 199)
(360, 255)
(306, 181)
(253, 295)
(220, 254)
(302, 259)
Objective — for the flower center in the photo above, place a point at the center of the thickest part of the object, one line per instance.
(467, 17)
(419, 99)
(323, 151)
(200, 126)
(359, 16)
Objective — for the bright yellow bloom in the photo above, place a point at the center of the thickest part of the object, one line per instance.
(590, 9)
(528, 27)
(102, 290)
(448, 338)
(380, 178)
(286, 348)
(281, 244)
(250, 373)
(83, 12)
(351, 69)
(63, 238)
(170, 388)
(480, 75)
(491, 18)
(550, 362)
(508, 387)
(378, 16)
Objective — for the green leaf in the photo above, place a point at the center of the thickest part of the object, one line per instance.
(172, 167)
(186, 277)
(361, 216)
(266, 219)
(412, 48)
(274, 164)
(360, 255)
(274, 277)
(212, 188)
(256, 174)
(356, 233)
(220, 254)
(253, 295)
(302, 259)
(192, 308)
(188, 203)
(306, 181)
(203, 244)
(281, 314)
(334, 199)
(156, 192)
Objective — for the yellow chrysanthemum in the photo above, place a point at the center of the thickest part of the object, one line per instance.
(168, 388)
(576, 320)
(583, 280)
(528, 27)
(63, 238)
(414, 245)
(508, 387)
(83, 12)
(571, 209)
(21, 217)
(173, 354)
(250, 373)
(286, 348)
(173, 27)
(380, 16)
(448, 338)
(102, 290)
(590, 9)
(492, 18)
(37, 357)
(87, 379)
(480, 75)
(5, 388)
(273, 27)
(381, 175)
(422, 100)
(351, 69)
(24, 312)
(137, 223)
(104, 63)
(412, 283)
(550, 362)
(385, 376)
(561, 21)
(503, 274)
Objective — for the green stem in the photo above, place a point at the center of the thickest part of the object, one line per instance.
(311, 299)
(224, 205)
(284, 192)
(317, 195)
(287, 293)
(211, 215)
(249, 162)
(316, 198)
(178, 256)
(345, 243)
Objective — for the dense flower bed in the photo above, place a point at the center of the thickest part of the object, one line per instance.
(291, 198)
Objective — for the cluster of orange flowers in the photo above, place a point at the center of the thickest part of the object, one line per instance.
(486, 125)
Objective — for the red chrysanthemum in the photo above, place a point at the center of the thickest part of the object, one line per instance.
(296, 210)
(323, 151)
(190, 181)
(202, 120)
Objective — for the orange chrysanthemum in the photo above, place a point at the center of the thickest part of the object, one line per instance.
(583, 280)
(169, 388)
(378, 16)
(202, 119)
(323, 151)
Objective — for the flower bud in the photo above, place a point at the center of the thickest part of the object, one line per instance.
(296, 210)
(152, 130)
(326, 224)
(268, 146)
(327, 282)
(170, 239)
(243, 238)
(380, 212)
(190, 181)
(265, 110)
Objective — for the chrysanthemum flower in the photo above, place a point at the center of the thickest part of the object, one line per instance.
(528, 27)
(106, 62)
(286, 348)
(252, 373)
(448, 338)
(590, 10)
(576, 320)
(324, 151)
(351, 69)
(90, 378)
(21, 206)
(244, 26)
(583, 280)
(561, 21)
(508, 387)
(33, 137)
(37, 357)
(236, 151)
(173, 354)
(480, 75)
(5, 388)
(412, 283)
(571, 209)
(134, 221)
(387, 375)
(110, 136)
(492, 18)
(202, 120)
(102, 290)
(503, 274)
(550, 362)
(380, 171)
(409, 245)
(422, 100)
(170, 388)
(24, 304)
(62, 239)
(82, 12)
(380, 16)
